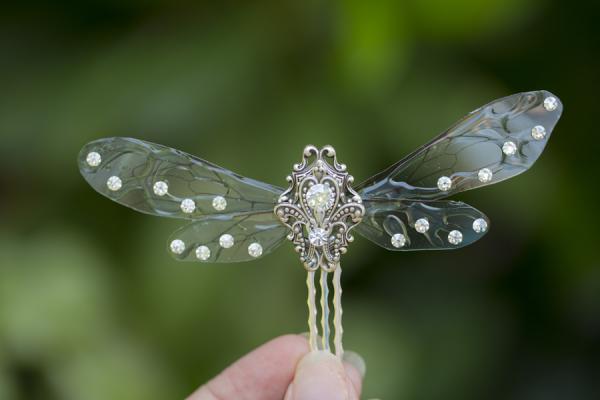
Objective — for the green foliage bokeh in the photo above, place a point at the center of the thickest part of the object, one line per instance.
(92, 307)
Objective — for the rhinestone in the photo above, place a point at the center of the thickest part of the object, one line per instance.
(509, 148)
(93, 159)
(422, 225)
(255, 250)
(114, 183)
(455, 237)
(550, 103)
(319, 197)
(226, 241)
(444, 183)
(160, 188)
(538, 132)
(398, 240)
(317, 237)
(485, 175)
(219, 203)
(188, 206)
(203, 253)
(480, 225)
(177, 246)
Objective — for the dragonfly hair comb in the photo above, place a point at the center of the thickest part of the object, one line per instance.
(233, 218)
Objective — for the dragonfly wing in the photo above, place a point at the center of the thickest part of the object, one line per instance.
(246, 229)
(386, 218)
(476, 151)
(139, 165)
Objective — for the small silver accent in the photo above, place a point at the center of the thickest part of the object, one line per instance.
(202, 253)
(219, 203)
(422, 225)
(538, 132)
(484, 175)
(455, 237)
(188, 206)
(93, 159)
(160, 188)
(226, 241)
(509, 148)
(480, 225)
(550, 103)
(114, 183)
(444, 183)
(177, 246)
(398, 240)
(255, 249)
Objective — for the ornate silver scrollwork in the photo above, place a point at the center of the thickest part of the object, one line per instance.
(320, 208)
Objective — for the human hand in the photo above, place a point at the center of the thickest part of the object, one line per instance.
(284, 368)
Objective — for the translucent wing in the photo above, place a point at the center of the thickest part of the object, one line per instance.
(158, 180)
(386, 218)
(496, 142)
(201, 238)
(126, 170)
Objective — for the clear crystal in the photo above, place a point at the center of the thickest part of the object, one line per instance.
(509, 148)
(455, 237)
(484, 175)
(538, 132)
(93, 159)
(422, 225)
(255, 249)
(550, 103)
(319, 197)
(226, 241)
(188, 206)
(160, 188)
(203, 253)
(444, 183)
(219, 203)
(317, 236)
(480, 225)
(177, 246)
(398, 240)
(114, 183)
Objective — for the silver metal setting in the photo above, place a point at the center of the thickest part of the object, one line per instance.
(320, 232)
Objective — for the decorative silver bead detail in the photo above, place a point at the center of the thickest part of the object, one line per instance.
(422, 225)
(177, 246)
(398, 240)
(550, 103)
(93, 159)
(480, 225)
(538, 132)
(484, 175)
(202, 253)
(219, 203)
(455, 237)
(114, 183)
(444, 183)
(160, 188)
(509, 148)
(188, 206)
(226, 241)
(255, 249)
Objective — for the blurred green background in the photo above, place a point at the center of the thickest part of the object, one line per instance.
(92, 306)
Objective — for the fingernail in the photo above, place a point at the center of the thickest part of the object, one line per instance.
(320, 375)
(356, 361)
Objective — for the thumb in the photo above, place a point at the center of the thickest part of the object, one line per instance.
(321, 375)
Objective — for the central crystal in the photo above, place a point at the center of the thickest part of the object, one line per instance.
(317, 236)
(319, 197)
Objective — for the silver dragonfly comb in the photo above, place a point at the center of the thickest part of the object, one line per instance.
(232, 218)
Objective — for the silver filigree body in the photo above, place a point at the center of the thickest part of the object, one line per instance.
(320, 208)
